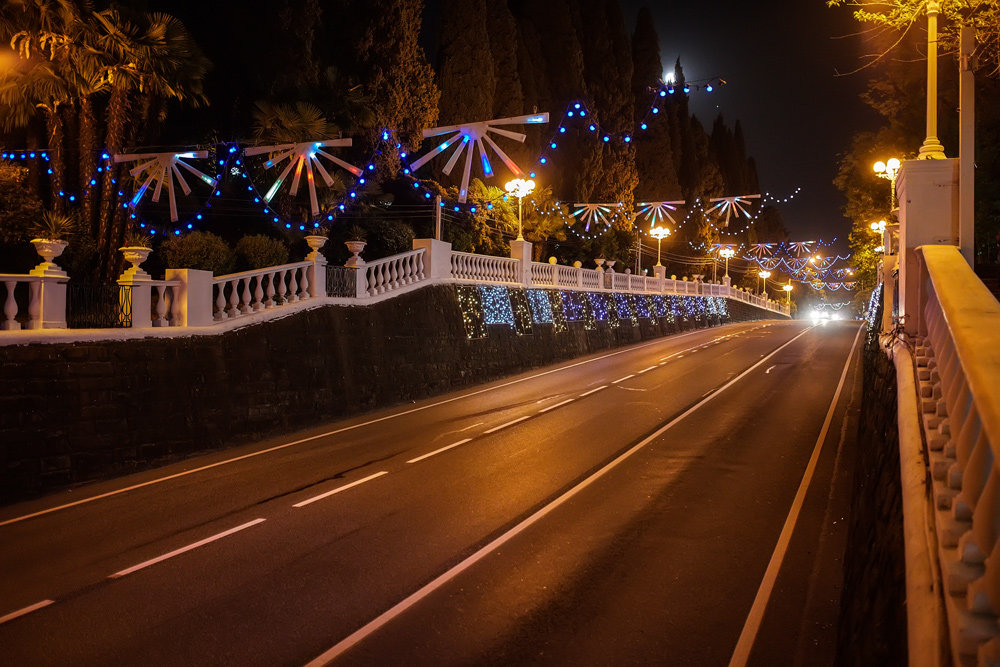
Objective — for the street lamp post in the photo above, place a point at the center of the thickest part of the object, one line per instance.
(888, 170)
(765, 275)
(727, 253)
(788, 293)
(659, 233)
(519, 188)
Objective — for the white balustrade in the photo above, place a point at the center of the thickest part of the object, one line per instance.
(567, 276)
(543, 274)
(591, 279)
(10, 309)
(392, 273)
(958, 373)
(239, 294)
(484, 268)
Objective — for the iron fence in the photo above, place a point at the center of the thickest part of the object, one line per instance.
(98, 306)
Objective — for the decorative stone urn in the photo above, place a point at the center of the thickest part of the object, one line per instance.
(48, 250)
(611, 265)
(598, 262)
(135, 255)
(355, 247)
(315, 243)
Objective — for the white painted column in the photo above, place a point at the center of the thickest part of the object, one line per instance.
(521, 251)
(437, 258)
(51, 296)
(928, 215)
(192, 306)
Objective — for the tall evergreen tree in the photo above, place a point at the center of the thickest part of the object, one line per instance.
(465, 71)
(508, 97)
(653, 155)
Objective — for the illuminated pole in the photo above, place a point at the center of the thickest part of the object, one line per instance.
(727, 253)
(788, 292)
(519, 188)
(889, 169)
(765, 275)
(932, 148)
(659, 233)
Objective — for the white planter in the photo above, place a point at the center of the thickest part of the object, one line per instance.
(355, 247)
(135, 255)
(48, 250)
(315, 243)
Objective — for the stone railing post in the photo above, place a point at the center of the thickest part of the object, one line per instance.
(142, 300)
(521, 251)
(51, 296)
(437, 258)
(193, 299)
(316, 272)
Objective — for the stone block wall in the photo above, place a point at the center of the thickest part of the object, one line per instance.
(75, 412)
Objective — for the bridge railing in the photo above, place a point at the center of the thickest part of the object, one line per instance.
(191, 298)
(957, 365)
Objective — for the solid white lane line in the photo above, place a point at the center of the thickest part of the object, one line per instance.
(438, 451)
(510, 423)
(557, 405)
(622, 379)
(744, 644)
(177, 552)
(352, 427)
(345, 487)
(679, 356)
(27, 610)
(646, 369)
(399, 608)
(469, 428)
(593, 391)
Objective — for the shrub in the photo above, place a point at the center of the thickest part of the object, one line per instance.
(259, 251)
(198, 250)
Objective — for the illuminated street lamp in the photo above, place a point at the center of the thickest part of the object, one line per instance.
(659, 233)
(519, 188)
(878, 227)
(788, 293)
(765, 275)
(727, 253)
(888, 170)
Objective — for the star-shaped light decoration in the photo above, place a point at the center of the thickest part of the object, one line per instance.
(728, 205)
(762, 250)
(162, 169)
(478, 133)
(597, 213)
(800, 247)
(303, 155)
(655, 212)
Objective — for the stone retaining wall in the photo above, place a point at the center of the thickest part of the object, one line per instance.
(74, 412)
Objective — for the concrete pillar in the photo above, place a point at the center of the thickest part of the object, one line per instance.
(193, 301)
(928, 215)
(51, 296)
(660, 271)
(521, 251)
(437, 258)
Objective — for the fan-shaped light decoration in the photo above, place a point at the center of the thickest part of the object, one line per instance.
(728, 205)
(654, 212)
(303, 155)
(597, 213)
(761, 250)
(468, 133)
(801, 247)
(162, 168)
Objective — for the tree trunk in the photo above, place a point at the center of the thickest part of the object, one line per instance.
(118, 107)
(88, 162)
(57, 160)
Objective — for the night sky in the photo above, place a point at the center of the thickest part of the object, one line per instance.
(780, 60)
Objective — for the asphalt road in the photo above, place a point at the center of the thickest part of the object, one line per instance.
(622, 508)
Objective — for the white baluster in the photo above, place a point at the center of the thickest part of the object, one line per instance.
(258, 293)
(293, 287)
(234, 298)
(10, 322)
(269, 292)
(161, 306)
(303, 284)
(245, 306)
(220, 302)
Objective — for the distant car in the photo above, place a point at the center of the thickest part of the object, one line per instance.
(821, 317)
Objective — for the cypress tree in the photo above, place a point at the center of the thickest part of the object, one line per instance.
(508, 98)
(465, 72)
(653, 155)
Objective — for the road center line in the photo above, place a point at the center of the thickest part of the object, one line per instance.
(510, 423)
(399, 608)
(646, 369)
(345, 487)
(438, 451)
(337, 431)
(557, 405)
(622, 379)
(593, 391)
(741, 654)
(27, 610)
(177, 552)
